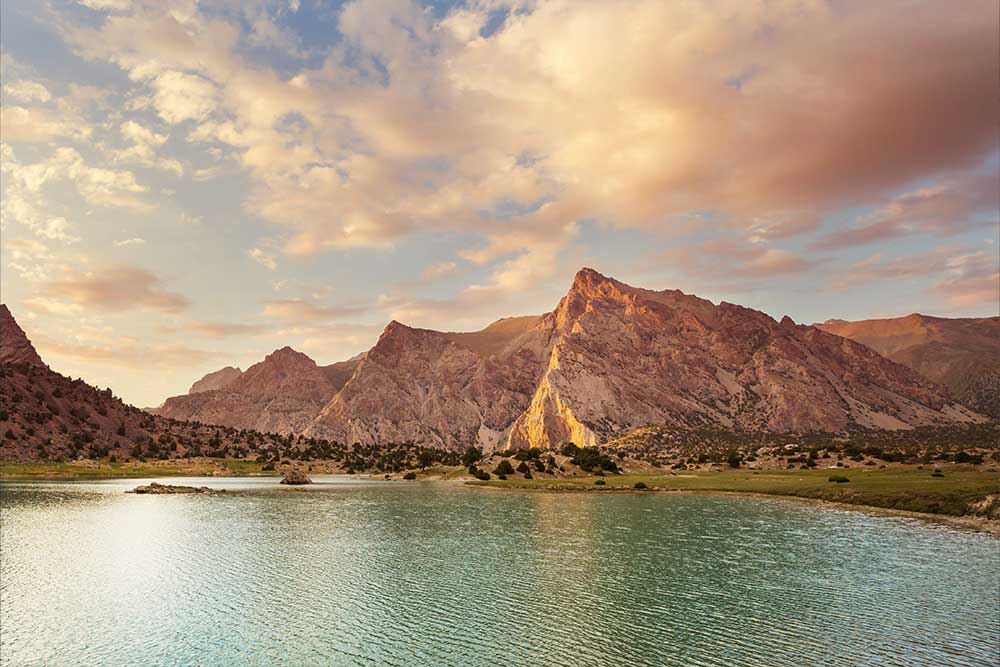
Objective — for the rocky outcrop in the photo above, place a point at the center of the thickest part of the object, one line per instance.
(15, 348)
(216, 380)
(155, 488)
(961, 353)
(295, 478)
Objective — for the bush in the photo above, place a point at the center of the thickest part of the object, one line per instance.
(410, 475)
(937, 473)
(504, 468)
(268, 466)
(471, 456)
(569, 449)
(839, 479)
(502, 477)
(600, 482)
(639, 485)
(734, 459)
(522, 467)
(527, 475)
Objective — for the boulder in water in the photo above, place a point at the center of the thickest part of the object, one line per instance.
(295, 477)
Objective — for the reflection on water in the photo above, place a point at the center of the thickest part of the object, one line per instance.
(374, 573)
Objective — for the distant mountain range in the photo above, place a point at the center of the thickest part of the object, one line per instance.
(962, 354)
(608, 359)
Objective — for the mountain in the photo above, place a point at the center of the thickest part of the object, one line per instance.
(15, 348)
(45, 415)
(281, 394)
(445, 389)
(215, 380)
(608, 359)
(962, 353)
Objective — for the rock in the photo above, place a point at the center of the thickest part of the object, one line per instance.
(157, 488)
(295, 477)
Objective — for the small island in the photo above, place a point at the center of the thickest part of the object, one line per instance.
(157, 488)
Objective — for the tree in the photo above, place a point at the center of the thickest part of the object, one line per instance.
(504, 467)
(471, 456)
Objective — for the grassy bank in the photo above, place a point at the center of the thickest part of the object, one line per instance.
(202, 467)
(960, 491)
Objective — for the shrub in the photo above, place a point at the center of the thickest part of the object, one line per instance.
(471, 456)
(410, 475)
(600, 482)
(504, 467)
(268, 466)
(569, 449)
(522, 467)
(734, 459)
(639, 485)
(839, 479)
(527, 475)
(937, 473)
(501, 476)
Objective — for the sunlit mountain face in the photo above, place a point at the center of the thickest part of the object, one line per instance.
(193, 185)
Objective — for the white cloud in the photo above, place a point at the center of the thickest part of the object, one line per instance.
(132, 241)
(180, 97)
(263, 258)
(27, 91)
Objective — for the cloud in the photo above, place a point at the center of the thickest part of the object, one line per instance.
(37, 124)
(721, 260)
(179, 97)
(107, 5)
(263, 258)
(115, 288)
(143, 148)
(769, 114)
(225, 329)
(31, 259)
(299, 311)
(132, 241)
(123, 352)
(944, 209)
(438, 271)
(27, 91)
(962, 277)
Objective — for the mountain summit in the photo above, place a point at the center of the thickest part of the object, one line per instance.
(15, 348)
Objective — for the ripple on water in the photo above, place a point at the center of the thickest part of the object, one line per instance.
(421, 574)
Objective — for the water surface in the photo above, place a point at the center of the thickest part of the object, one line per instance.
(391, 573)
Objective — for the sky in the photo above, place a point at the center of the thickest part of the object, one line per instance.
(187, 185)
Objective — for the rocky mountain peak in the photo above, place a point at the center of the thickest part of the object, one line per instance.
(15, 348)
(216, 380)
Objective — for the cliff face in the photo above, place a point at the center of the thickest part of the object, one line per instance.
(609, 358)
(962, 353)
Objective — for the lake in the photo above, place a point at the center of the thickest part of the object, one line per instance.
(421, 573)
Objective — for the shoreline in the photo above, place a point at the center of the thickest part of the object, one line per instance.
(966, 522)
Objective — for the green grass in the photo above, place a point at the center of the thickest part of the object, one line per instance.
(177, 468)
(907, 489)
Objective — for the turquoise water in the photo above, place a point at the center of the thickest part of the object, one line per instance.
(373, 573)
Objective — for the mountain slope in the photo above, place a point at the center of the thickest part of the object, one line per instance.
(445, 389)
(962, 354)
(625, 357)
(15, 348)
(215, 380)
(281, 394)
(45, 415)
